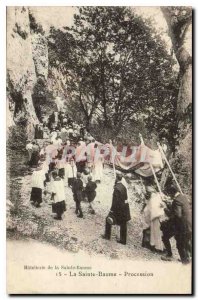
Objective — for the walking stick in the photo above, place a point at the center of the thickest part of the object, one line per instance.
(166, 160)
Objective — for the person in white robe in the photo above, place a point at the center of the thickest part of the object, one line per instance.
(71, 171)
(45, 132)
(60, 165)
(42, 152)
(29, 147)
(58, 194)
(53, 134)
(80, 156)
(98, 167)
(84, 176)
(37, 184)
(90, 151)
(153, 212)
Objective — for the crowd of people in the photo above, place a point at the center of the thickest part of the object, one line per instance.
(71, 156)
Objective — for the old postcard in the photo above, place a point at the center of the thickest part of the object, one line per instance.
(99, 150)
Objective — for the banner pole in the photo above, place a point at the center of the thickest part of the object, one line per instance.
(141, 139)
(114, 171)
(152, 169)
(156, 180)
(166, 160)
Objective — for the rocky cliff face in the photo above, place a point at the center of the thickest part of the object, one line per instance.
(27, 62)
(40, 55)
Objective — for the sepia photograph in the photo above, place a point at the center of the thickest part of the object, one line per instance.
(99, 150)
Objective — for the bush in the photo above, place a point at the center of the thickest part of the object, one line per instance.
(17, 137)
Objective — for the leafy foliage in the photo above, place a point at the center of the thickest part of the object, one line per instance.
(16, 133)
(117, 70)
(43, 99)
(34, 26)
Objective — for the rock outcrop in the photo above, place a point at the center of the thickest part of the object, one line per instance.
(40, 55)
(27, 61)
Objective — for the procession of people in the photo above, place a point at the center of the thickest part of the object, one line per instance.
(70, 156)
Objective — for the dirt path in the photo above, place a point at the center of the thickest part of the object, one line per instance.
(76, 234)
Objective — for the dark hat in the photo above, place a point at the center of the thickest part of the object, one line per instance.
(111, 219)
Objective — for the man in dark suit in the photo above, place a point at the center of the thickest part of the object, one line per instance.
(179, 225)
(77, 189)
(119, 213)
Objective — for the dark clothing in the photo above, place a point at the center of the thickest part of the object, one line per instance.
(80, 165)
(90, 190)
(120, 211)
(77, 190)
(61, 172)
(183, 226)
(60, 118)
(146, 238)
(40, 133)
(182, 214)
(36, 195)
(70, 181)
(183, 244)
(82, 132)
(36, 133)
(168, 231)
(119, 208)
(123, 232)
(52, 118)
(34, 158)
(180, 226)
(51, 121)
(60, 153)
(47, 178)
(52, 166)
(79, 209)
(59, 208)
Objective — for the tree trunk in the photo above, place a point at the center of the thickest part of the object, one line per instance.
(88, 121)
(179, 20)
